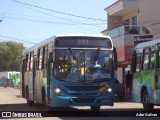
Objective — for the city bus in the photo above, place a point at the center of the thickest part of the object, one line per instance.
(70, 70)
(146, 74)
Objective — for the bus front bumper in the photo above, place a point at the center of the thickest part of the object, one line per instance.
(66, 101)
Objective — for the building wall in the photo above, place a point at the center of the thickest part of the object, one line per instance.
(145, 10)
(123, 40)
(118, 41)
(120, 75)
(149, 15)
(130, 15)
(114, 22)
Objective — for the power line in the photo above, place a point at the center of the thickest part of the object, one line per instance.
(57, 11)
(60, 18)
(50, 22)
(17, 39)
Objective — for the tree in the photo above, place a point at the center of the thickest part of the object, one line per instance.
(10, 55)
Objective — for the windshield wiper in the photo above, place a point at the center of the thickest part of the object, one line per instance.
(71, 51)
(96, 56)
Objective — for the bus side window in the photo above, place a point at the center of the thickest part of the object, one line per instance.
(138, 62)
(158, 58)
(44, 57)
(28, 61)
(31, 61)
(146, 60)
(38, 60)
(152, 60)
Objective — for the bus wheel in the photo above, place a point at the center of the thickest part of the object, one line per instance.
(95, 108)
(145, 100)
(29, 102)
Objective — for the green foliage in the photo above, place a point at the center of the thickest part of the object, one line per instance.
(10, 55)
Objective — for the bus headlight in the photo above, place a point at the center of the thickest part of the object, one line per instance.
(109, 90)
(58, 91)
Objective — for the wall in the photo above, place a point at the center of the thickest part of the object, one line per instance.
(120, 75)
(114, 22)
(149, 14)
(130, 15)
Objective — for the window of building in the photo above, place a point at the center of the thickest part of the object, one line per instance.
(134, 20)
(134, 29)
(126, 25)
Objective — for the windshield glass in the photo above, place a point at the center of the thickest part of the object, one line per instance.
(83, 65)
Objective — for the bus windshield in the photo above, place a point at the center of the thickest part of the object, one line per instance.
(77, 65)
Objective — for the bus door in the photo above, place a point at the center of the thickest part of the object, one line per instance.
(136, 71)
(137, 65)
(49, 71)
(22, 77)
(146, 64)
(34, 76)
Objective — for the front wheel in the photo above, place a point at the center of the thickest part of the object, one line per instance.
(146, 103)
(95, 108)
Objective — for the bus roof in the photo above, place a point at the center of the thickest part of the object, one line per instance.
(44, 42)
(82, 35)
(147, 44)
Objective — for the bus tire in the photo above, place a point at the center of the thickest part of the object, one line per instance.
(44, 102)
(147, 106)
(29, 102)
(95, 108)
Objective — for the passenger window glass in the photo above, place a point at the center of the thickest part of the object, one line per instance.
(146, 59)
(138, 62)
(152, 58)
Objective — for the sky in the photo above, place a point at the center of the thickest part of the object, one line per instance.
(32, 21)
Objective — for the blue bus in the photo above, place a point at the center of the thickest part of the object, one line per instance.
(70, 70)
(146, 74)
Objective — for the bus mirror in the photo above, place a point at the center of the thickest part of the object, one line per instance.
(115, 58)
(133, 66)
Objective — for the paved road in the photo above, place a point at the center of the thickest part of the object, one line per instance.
(11, 100)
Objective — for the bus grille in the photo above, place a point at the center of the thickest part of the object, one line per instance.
(83, 100)
(83, 88)
(82, 94)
